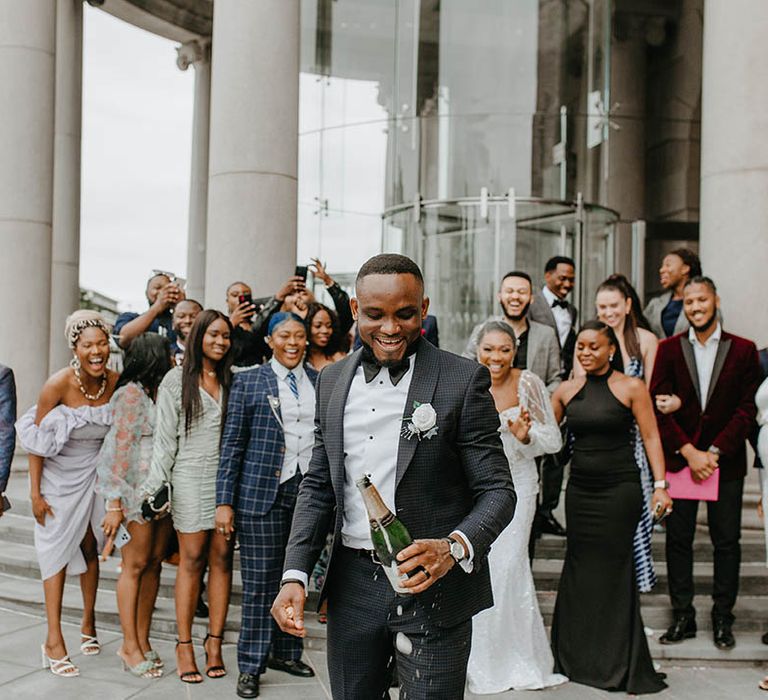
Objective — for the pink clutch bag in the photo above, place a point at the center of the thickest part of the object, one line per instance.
(683, 486)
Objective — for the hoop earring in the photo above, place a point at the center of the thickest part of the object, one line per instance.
(74, 363)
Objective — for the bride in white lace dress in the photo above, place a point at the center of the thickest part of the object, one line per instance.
(510, 648)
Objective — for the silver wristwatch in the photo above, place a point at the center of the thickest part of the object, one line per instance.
(456, 550)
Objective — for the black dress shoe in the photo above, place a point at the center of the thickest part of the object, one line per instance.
(248, 685)
(549, 526)
(765, 638)
(295, 668)
(723, 635)
(682, 628)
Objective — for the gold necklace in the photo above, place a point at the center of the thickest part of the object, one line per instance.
(98, 394)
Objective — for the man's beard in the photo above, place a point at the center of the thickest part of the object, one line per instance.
(181, 335)
(706, 325)
(523, 312)
(410, 349)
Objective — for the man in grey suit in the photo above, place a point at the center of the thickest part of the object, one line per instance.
(7, 429)
(446, 479)
(537, 346)
(552, 308)
(665, 312)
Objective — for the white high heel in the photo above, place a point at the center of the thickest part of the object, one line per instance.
(59, 667)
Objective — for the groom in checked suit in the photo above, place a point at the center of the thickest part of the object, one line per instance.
(452, 490)
(715, 375)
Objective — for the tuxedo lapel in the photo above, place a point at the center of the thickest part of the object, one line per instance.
(690, 362)
(334, 420)
(722, 353)
(426, 371)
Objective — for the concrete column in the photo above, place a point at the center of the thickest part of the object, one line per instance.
(65, 267)
(734, 160)
(27, 40)
(252, 187)
(197, 53)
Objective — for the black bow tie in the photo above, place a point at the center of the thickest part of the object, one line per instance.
(560, 302)
(371, 367)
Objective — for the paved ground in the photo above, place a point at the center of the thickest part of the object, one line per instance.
(21, 676)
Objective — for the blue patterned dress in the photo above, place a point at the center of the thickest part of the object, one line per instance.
(641, 544)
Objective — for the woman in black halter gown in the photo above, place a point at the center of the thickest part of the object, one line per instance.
(597, 632)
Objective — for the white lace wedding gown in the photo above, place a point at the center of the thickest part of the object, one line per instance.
(510, 648)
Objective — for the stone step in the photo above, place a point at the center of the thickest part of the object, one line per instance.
(752, 547)
(751, 612)
(17, 593)
(752, 581)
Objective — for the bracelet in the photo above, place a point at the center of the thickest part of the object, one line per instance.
(114, 510)
(661, 484)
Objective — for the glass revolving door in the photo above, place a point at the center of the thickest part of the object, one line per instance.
(465, 246)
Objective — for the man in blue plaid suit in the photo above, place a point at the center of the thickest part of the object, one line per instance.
(266, 445)
(422, 423)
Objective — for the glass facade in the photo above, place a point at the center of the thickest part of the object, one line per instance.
(419, 117)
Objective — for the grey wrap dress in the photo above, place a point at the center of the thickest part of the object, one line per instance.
(189, 462)
(69, 440)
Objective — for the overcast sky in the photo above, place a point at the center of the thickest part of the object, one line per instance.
(137, 134)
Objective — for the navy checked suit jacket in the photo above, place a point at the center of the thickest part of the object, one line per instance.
(457, 480)
(252, 443)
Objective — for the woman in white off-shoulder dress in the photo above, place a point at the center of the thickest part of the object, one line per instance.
(63, 434)
(510, 648)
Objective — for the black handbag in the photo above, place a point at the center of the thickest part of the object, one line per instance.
(158, 504)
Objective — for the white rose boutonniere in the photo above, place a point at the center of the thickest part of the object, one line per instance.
(422, 422)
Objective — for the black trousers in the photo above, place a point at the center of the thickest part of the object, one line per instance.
(369, 625)
(724, 518)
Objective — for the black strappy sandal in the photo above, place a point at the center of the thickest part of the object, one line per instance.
(209, 669)
(189, 676)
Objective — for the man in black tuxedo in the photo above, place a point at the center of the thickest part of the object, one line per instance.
(552, 308)
(449, 485)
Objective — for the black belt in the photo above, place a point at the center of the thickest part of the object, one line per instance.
(362, 553)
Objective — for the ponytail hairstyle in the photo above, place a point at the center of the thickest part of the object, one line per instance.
(595, 325)
(620, 284)
(192, 368)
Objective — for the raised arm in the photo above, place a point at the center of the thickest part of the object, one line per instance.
(485, 467)
(544, 434)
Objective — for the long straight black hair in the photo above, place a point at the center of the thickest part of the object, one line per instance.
(334, 342)
(147, 361)
(192, 368)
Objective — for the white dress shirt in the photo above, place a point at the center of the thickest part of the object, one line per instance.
(705, 359)
(561, 314)
(373, 421)
(298, 419)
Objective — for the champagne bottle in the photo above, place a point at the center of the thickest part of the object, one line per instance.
(388, 534)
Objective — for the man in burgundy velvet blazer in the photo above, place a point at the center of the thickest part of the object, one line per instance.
(715, 374)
